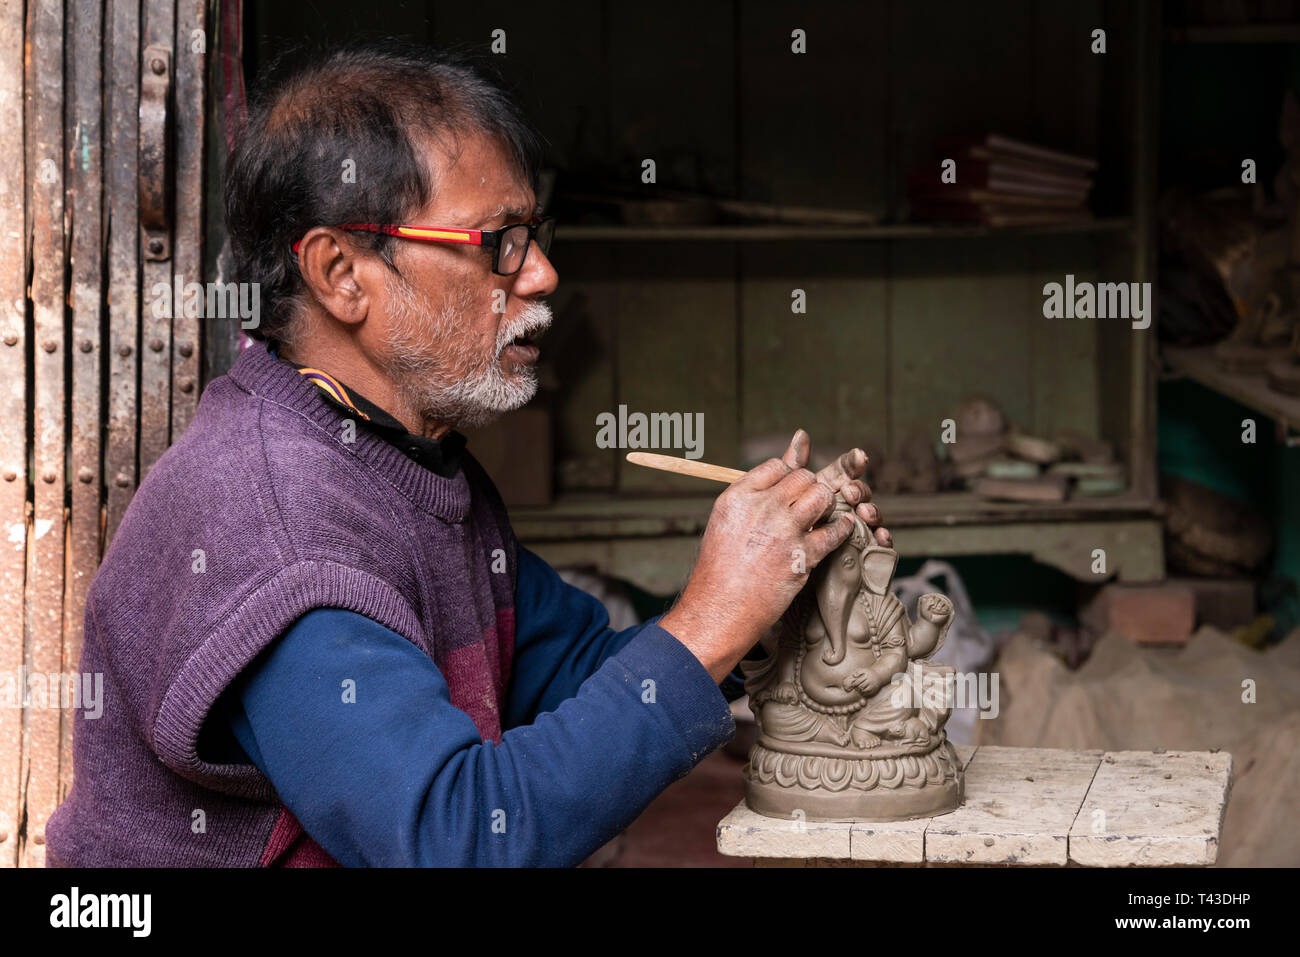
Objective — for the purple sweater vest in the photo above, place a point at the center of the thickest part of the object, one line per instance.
(260, 512)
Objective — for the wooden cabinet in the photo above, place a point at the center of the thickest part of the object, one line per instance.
(902, 320)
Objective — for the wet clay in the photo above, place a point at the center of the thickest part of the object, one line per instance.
(850, 710)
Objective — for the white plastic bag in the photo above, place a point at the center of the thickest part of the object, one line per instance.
(968, 647)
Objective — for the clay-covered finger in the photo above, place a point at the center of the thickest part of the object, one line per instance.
(844, 469)
(884, 538)
(796, 456)
(765, 475)
(824, 539)
(855, 491)
(813, 504)
(869, 512)
(795, 485)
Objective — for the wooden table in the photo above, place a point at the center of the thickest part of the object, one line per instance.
(1028, 807)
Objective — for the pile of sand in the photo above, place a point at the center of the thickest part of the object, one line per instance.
(1125, 697)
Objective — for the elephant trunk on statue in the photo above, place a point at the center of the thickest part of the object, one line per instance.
(841, 577)
(835, 592)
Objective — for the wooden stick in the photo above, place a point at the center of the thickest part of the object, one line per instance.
(671, 463)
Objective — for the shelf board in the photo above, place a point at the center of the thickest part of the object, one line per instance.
(1251, 389)
(575, 517)
(1235, 33)
(784, 232)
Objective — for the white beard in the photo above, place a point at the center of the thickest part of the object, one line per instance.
(435, 367)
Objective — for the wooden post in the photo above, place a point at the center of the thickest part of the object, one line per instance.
(159, 64)
(70, 162)
(122, 61)
(43, 655)
(1146, 80)
(85, 140)
(13, 412)
(189, 60)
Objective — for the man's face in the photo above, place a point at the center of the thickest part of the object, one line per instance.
(458, 340)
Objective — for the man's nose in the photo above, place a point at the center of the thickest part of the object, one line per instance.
(537, 277)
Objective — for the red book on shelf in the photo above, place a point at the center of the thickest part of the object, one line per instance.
(929, 185)
(1000, 176)
(993, 147)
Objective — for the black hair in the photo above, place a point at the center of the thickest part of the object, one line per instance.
(373, 103)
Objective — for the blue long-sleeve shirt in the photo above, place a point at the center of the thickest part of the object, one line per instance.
(596, 724)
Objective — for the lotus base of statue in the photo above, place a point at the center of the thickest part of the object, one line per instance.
(780, 784)
(850, 710)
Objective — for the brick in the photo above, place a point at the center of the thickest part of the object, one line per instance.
(1224, 603)
(1158, 614)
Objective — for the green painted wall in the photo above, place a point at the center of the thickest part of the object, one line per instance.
(1201, 439)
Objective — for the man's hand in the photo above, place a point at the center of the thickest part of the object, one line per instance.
(765, 535)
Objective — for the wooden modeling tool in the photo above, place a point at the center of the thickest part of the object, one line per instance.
(671, 463)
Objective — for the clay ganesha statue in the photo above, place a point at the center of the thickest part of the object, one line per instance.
(850, 711)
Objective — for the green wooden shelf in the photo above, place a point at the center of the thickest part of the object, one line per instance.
(1251, 389)
(652, 540)
(620, 516)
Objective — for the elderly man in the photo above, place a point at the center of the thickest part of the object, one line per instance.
(322, 642)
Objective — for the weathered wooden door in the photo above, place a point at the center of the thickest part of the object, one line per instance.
(101, 173)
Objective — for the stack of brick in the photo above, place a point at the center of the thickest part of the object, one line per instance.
(1166, 613)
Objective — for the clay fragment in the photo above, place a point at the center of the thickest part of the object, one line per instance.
(1076, 445)
(967, 448)
(1100, 486)
(978, 415)
(1011, 469)
(1082, 470)
(1045, 488)
(973, 467)
(1033, 449)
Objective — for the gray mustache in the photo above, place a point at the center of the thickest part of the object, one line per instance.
(534, 321)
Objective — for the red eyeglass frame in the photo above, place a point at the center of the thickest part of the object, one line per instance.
(490, 238)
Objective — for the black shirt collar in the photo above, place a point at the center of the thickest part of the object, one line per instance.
(441, 456)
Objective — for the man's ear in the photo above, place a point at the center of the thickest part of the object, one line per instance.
(878, 564)
(341, 277)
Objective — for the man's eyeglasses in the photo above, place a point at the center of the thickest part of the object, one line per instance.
(509, 244)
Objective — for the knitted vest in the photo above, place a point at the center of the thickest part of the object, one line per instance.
(271, 504)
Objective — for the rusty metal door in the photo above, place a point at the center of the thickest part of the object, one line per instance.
(101, 189)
